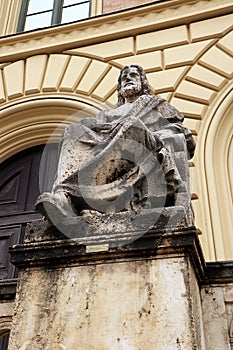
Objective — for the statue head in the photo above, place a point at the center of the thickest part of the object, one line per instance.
(138, 85)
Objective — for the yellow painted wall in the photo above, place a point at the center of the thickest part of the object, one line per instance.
(186, 49)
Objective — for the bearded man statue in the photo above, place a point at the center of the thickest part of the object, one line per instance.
(124, 159)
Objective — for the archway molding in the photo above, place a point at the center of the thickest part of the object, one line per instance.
(5, 325)
(33, 121)
(214, 153)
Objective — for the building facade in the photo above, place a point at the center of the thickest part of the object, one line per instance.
(60, 61)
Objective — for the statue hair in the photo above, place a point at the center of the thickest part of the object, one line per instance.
(146, 90)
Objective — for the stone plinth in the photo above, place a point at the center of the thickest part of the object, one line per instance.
(139, 296)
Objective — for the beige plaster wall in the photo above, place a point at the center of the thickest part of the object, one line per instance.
(186, 49)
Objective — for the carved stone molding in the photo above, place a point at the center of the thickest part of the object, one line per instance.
(116, 25)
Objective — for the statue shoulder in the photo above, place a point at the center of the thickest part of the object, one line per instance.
(170, 112)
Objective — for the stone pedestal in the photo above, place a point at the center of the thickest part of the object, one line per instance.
(140, 296)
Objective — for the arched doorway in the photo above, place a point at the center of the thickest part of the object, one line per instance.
(19, 188)
(214, 172)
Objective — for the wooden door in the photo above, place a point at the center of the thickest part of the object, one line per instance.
(4, 340)
(19, 188)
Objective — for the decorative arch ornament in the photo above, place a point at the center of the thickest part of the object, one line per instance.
(32, 121)
(215, 153)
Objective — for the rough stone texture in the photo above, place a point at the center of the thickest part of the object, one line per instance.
(215, 318)
(143, 295)
(217, 305)
(114, 229)
(135, 305)
(90, 288)
(228, 295)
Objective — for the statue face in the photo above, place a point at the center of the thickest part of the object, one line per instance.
(131, 84)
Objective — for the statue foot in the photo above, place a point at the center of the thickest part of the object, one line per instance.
(56, 207)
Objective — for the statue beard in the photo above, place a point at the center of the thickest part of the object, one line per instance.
(129, 91)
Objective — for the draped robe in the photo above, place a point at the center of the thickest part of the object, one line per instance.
(119, 161)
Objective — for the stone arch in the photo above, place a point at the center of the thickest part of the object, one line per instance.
(215, 169)
(58, 73)
(32, 121)
(33, 105)
(5, 326)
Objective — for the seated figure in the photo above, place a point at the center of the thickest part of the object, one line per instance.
(124, 159)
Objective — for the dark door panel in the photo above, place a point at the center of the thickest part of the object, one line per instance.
(8, 236)
(4, 340)
(19, 188)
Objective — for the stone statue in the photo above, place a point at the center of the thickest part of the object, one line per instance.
(126, 159)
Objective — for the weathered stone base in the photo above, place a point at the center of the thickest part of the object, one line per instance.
(140, 296)
(114, 229)
(137, 304)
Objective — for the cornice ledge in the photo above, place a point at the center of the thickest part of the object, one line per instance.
(110, 27)
(60, 251)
